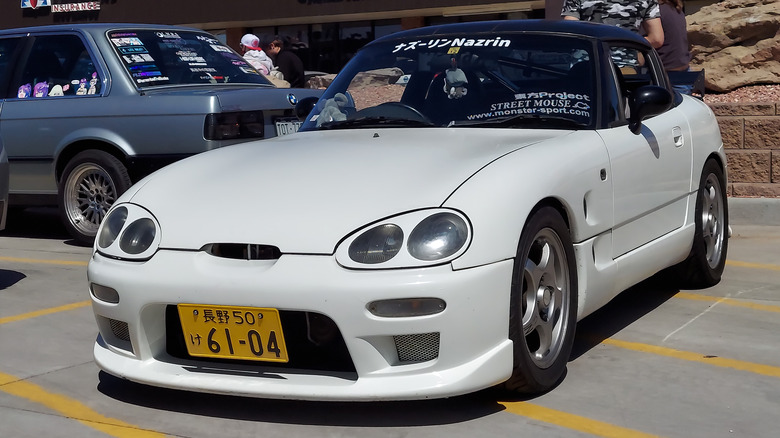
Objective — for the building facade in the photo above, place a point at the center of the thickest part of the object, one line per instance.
(324, 33)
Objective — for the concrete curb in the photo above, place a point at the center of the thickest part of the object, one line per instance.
(754, 211)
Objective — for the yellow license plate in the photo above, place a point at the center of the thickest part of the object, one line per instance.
(229, 332)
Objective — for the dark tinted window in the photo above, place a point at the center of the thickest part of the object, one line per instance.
(7, 51)
(57, 65)
(154, 58)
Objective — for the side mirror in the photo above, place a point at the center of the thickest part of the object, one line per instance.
(304, 107)
(647, 101)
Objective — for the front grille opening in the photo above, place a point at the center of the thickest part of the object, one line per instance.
(313, 341)
(243, 251)
(419, 347)
(119, 329)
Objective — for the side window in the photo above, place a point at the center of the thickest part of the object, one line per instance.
(57, 66)
(7, 50)
(633, 69)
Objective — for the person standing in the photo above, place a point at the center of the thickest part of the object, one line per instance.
(640, 16)
(254, 55)
(675, 53)
(286, 61)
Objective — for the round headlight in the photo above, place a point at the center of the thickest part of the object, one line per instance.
(138, 236)
(377, 245)
(112, 226)
(438, 236)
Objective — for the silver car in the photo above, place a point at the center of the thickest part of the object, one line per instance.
(88, 110)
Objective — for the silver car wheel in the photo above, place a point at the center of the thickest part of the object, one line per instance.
(712, 220)
(89, 193)
(545, 299)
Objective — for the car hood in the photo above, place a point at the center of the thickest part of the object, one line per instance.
(305, 192)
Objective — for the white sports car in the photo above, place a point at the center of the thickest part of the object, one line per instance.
(455, 202)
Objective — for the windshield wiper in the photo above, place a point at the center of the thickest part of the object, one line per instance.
(373, 122)
(521, 120)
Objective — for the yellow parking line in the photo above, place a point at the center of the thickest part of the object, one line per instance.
(73, 409)
(729, 301)
(48, 262)
(753, 265)
(571, 421)
(766, 370)
(42, 312)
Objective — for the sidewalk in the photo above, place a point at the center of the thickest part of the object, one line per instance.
(754, 211)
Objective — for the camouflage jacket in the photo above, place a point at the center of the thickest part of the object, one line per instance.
(628, 14)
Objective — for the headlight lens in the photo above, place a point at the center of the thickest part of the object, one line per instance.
(377, 245)
(138, 237)
(129, 232)
(112, 226)
(437, 237)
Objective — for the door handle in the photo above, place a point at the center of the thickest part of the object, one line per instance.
(678, 136)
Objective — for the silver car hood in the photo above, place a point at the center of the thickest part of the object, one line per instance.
(305, 192)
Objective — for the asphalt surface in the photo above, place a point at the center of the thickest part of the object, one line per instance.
(657, 361)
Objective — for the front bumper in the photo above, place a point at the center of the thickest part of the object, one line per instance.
(474, 351)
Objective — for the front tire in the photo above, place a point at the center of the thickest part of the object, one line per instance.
(543, 311)
(704, 266)
(90, 184)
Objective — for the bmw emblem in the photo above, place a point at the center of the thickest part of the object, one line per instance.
(292, 99)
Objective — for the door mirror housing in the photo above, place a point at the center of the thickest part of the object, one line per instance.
(647, 101)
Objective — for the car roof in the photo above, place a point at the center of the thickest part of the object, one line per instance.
(581, 29)
(92, 28)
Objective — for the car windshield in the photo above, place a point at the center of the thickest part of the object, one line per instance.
(498, 80)
(165, 57)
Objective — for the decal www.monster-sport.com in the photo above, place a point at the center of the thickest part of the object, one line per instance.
(568, 104)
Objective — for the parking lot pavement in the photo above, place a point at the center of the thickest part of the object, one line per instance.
(657, 361)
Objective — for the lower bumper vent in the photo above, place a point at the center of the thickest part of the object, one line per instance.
(418, 347)
(120, 329)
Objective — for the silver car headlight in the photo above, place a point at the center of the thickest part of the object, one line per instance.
(129, 232)
(434, 237)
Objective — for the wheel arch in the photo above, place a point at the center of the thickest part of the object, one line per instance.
(76, 147)
(556, 204)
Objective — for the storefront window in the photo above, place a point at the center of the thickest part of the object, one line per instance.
(386, 27)
(354, 35)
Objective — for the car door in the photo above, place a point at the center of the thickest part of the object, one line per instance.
(46, 99)
(651, 171)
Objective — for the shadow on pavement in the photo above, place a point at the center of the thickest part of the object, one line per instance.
(10, 278)
(36, 223)
(628, 307)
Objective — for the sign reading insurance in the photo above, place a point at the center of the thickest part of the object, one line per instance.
(62, 7)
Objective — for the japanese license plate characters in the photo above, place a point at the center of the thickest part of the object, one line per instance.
(229, 332)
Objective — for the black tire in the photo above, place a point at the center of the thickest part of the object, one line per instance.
(90, 184)
(704, 266)
(543, 313)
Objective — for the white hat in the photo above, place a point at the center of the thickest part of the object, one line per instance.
(251, 41)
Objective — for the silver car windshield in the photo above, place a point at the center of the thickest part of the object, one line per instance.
(499, 80)
(165, 57)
